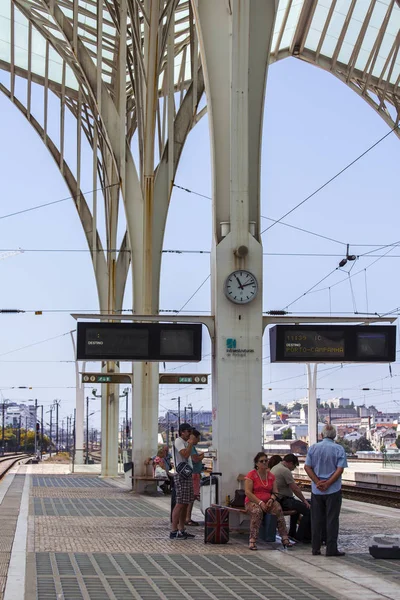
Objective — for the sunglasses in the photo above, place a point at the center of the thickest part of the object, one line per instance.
(262, 461)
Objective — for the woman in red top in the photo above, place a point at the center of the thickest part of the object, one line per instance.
(261, 490)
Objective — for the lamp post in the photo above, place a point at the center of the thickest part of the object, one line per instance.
(56, 405)
(125, 393)
(179, 409)
(87, 430)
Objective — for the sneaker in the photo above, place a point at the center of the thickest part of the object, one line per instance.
(187, 535)
(177, 535)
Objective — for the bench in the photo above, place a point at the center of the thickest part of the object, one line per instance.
(242, 516)
(147, 484)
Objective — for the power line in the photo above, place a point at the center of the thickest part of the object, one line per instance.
(280, 222)
(301, 229)
(331, 179)
(37, 343)
(268, 218)
(20, 212)
(192, 296)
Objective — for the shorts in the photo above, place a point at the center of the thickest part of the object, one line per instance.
(183, 489)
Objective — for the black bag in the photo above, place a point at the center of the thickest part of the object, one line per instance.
(184, 470)
(216, 526)
(268, 528)
(303, 533)
(239, 499)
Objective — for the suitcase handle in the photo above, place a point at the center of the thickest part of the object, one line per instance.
(216, 486)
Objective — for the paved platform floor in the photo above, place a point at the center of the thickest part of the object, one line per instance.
(80, 537)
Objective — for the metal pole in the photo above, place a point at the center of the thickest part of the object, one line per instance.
(62, 433)
(179, 411)
(67, 442)
(312, 405)
(126, 421)
(35, 426)
(41, 431)
(19, 432)
(168, 429)
(184, 413)
(87, 430)
(26, 433)
(2, 431)
(74, 442)
(57, 404)
(51, 427)
(191, 415)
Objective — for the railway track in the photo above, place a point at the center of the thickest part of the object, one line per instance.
(6, 463)
(383, 496)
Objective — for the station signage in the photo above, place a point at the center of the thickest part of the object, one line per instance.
(177, 378)
(106, 378)
(146, 342)
(333, 343)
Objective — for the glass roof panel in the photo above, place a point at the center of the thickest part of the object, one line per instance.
(349, 38)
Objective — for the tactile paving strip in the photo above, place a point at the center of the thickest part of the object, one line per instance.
(389, 569)
(101, 576)
(93, 507)
(68, 481)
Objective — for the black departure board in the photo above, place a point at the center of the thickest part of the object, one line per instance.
(333, 343)
(139, 341)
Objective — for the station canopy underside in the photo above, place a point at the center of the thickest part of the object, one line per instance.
(356, 40)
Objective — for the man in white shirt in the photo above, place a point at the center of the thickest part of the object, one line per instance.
(181, 452)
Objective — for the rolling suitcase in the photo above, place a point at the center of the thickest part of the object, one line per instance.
(216, 527)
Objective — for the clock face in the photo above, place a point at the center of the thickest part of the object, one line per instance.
(241, 287)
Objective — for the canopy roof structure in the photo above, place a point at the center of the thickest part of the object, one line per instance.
(356, 40)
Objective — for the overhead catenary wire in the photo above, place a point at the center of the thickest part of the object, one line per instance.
(74, 197)
(280, 222)
(315, 192)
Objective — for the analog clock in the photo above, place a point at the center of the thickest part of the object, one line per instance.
(241, 287)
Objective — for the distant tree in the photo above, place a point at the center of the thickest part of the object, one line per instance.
(297, 406)
(352, 404)
(346, 444)
(280, 407)
(263, 408)
(287, 433)
(397, 442)
(362, 444)
(326, 405)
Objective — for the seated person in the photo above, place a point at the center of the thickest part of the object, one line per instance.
(274, 460)
(161, 461)
(261, 493)
(287, 489)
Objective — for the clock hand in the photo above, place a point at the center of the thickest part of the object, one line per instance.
(251, 283)
(238, 280)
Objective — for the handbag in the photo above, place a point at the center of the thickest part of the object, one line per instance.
(238, 500)
(183, 469)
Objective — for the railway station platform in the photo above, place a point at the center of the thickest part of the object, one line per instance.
(79, 537)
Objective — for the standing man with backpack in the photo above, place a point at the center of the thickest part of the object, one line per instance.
(183, 481)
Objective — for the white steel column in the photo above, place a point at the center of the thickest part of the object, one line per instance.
(235, 40)
(145, 387)
(312, 404)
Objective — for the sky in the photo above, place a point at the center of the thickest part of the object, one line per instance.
(313, 127)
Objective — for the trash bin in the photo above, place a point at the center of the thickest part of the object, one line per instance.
(128, 472)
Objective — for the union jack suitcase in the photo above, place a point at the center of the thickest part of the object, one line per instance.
(216, 527)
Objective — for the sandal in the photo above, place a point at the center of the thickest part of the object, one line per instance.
(192, 523)
(252, 546)
(287, 544)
